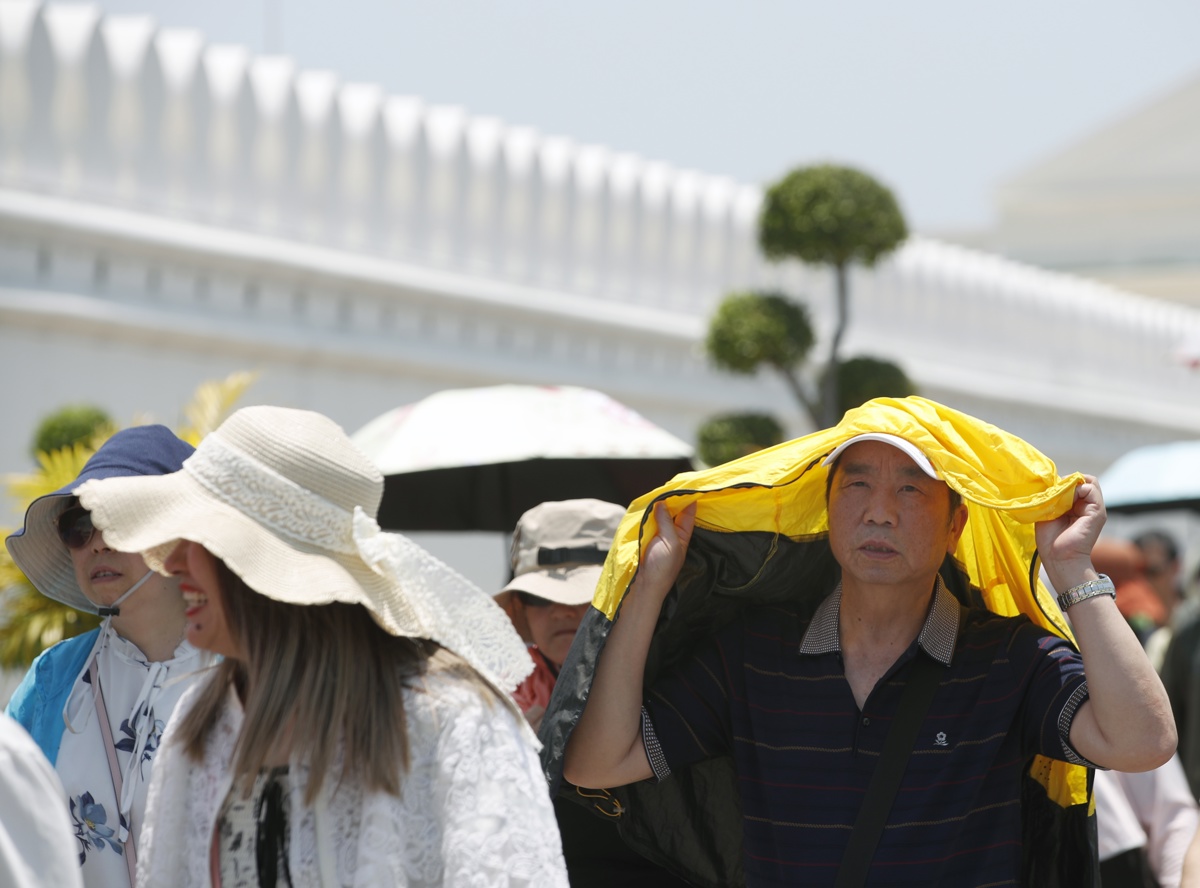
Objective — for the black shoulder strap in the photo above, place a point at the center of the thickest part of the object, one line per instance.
(889, 770)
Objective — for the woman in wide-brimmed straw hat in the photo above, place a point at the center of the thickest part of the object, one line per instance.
(359, 730)
(97, 703)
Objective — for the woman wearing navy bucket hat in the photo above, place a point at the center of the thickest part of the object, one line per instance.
(97, 704)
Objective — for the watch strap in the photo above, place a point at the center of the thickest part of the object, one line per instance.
(1101, 586)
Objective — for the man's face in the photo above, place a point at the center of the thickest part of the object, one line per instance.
(889, 522)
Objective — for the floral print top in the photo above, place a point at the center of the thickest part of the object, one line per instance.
(139, 697)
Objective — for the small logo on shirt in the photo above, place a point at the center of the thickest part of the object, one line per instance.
(940, 739)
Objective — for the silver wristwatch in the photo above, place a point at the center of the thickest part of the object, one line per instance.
(1084, 591)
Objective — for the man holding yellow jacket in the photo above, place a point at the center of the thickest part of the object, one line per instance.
(783, 617)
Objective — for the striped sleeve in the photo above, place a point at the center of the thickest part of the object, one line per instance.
(1057, 689)
(687, 711)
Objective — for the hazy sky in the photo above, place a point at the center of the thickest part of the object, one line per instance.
(941, 99)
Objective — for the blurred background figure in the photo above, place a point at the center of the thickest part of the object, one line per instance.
(1137, 599)
(36, 845)
(1180, 674)
(558, 551)
(1145, 822)
(1162, 569)
(1160, 554)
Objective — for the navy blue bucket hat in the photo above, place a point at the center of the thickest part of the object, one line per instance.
(36, 548)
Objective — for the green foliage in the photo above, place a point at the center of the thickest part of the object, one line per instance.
(863, 378)
(753, 328)
(74, 424)
(211, 403)
(734, 435)
(831, 215)
(34, 622)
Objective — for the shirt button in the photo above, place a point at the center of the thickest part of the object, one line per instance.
(866, 721)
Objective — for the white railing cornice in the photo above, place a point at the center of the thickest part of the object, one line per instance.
(267, 256)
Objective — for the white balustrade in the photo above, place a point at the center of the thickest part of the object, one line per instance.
(482, 207)
(113, 112)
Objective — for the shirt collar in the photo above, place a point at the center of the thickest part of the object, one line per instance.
(937, 637)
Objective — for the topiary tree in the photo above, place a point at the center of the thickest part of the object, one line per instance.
(751, 329)
(73, 424)
(734, 435)
(830, 215)
(862, 378)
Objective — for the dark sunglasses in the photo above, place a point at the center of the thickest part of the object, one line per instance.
(534, 601)
(75, 527)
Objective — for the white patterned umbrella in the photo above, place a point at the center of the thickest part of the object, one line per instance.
(1158, 476)
(476, 459)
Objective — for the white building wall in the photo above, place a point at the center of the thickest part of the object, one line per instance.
(172, 210)
(1121, 204)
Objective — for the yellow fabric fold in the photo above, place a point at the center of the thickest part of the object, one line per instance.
(1007, 483)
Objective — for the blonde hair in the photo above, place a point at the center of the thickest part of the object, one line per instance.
(308, 671)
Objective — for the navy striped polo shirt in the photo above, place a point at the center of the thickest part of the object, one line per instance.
(770, 690)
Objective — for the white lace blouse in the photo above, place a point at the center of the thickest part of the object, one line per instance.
(474, 809)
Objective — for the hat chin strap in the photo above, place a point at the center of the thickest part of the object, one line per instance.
(114, 609)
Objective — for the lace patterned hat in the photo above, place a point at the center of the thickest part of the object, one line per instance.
(288, 503)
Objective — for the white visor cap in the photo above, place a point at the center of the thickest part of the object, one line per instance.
(913, 452)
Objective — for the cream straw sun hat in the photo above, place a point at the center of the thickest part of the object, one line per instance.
(288, 503)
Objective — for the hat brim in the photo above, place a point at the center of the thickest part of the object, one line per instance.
(911, 450)
(151, 514)
(41, 555)
(565, 585)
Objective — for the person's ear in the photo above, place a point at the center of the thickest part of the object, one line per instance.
(958, 523)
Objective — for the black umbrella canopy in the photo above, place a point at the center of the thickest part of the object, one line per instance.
(477, 459)
(493, 497)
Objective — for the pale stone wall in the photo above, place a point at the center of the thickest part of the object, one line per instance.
(172, 210)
